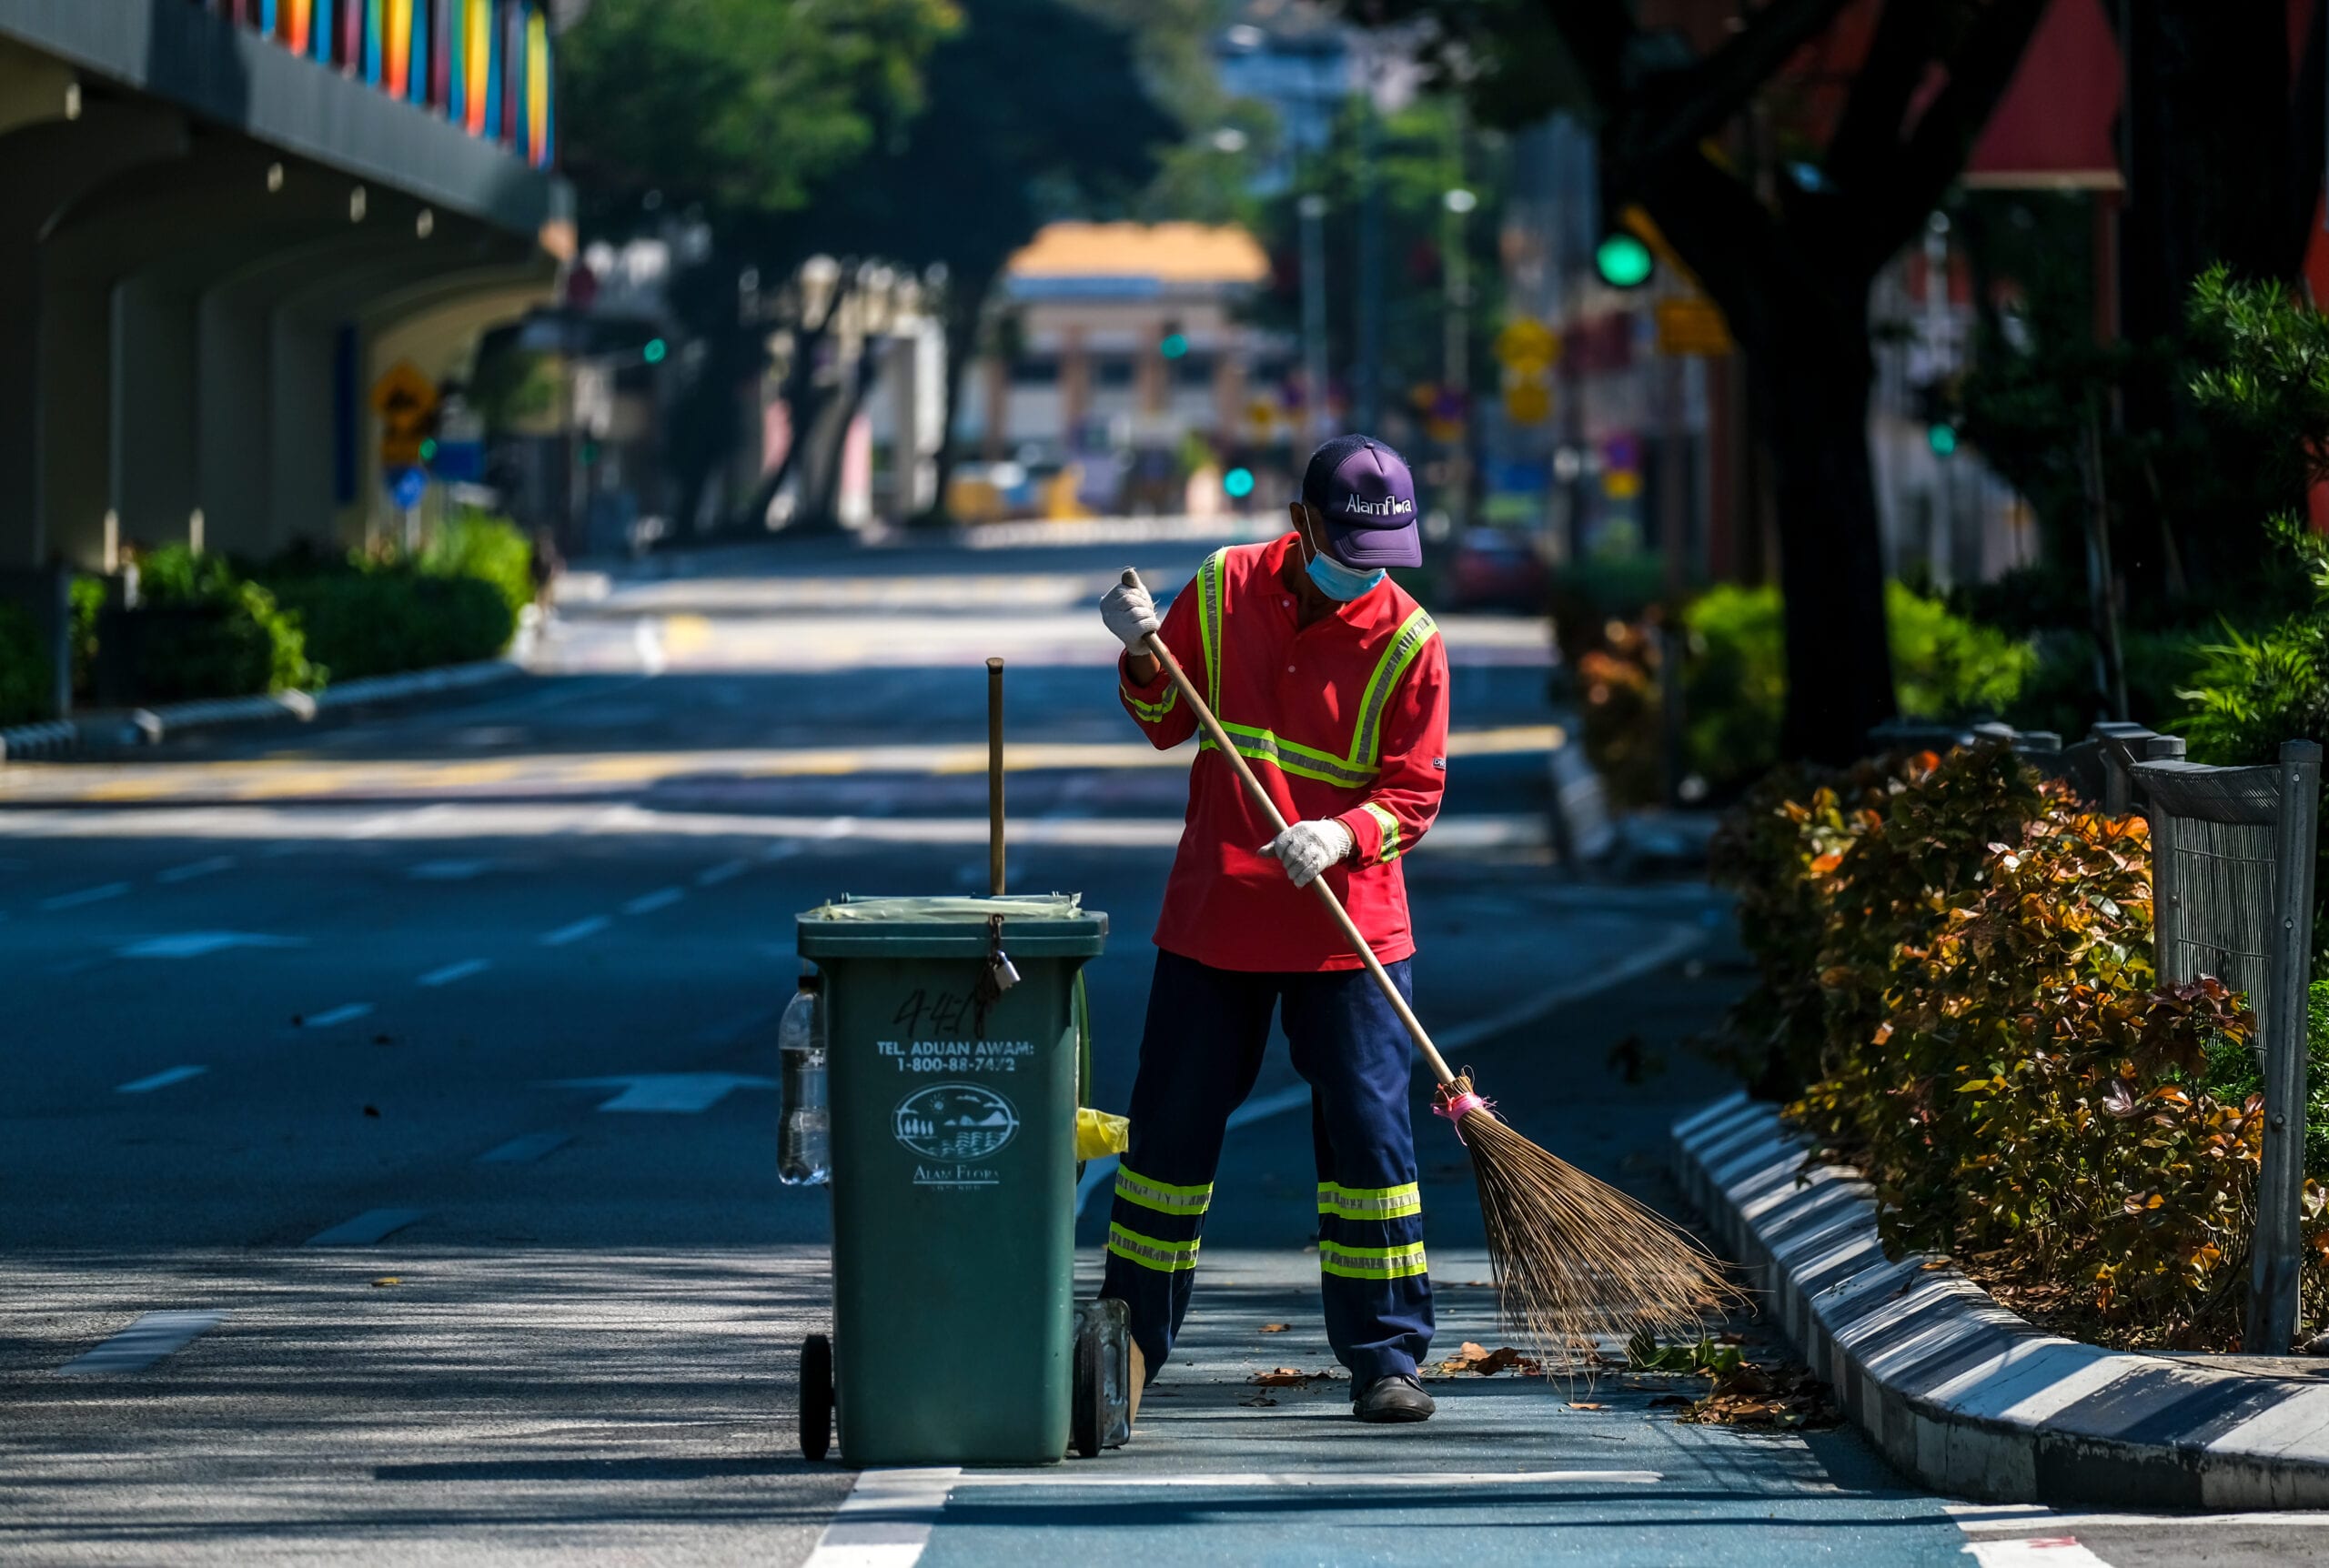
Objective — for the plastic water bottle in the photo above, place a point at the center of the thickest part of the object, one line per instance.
(804, 1143)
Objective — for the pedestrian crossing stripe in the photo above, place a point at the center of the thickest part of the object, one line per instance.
(1165, 1256)
(1371, 1262)
(1162, 1196)
(1369, 1202)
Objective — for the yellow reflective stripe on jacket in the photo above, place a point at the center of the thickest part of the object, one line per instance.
(1371, 1262)
(1165, 1256)
(1292, 757)
(1369, 1202)
(1209, 626)
(1366, 744)
(1150, 712)
(1162, 1196)
(1390, 825)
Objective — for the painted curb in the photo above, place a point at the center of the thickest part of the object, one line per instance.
(1963, 1394)
(149, 726)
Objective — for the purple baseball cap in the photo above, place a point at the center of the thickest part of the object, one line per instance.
(1368, 498)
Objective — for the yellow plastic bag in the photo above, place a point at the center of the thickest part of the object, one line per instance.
(1098, 1133)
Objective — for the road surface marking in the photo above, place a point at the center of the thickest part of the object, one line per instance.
(647, 641)
(198, 868)
(2056, 1549)
(452, 972)
(670, 1091)
(365, 1229)
(725, 871)
(143, 1343)
(886, 1518)
(648, 903)
(1678, 940)
(161, 1079)
(575, 932)
(447, 870)
(525, 1150)
(346, 1012)
(202, 944)
(2044, 1552)
(86, 896)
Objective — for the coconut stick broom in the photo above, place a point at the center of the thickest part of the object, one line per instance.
(1575, 1260)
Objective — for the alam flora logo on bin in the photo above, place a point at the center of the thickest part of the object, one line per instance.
(954, 1121)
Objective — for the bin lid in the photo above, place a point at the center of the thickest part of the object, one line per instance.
(1037, 925)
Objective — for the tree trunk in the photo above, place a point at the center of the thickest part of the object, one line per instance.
(826, 448)
(965, 302)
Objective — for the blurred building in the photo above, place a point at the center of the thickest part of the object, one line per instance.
(224, 224)
(1116, 345)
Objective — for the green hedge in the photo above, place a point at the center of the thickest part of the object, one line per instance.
(386, 620)
(490, 550)
(26, 675)
(229, 638)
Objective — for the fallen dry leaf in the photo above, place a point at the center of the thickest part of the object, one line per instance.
(1476, 1358)
(1586, 1404)
(386, 1280)
(1285, 1377)
(1275, 1328)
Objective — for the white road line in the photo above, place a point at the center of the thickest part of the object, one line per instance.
(886, 1521)
(647, 641)
(1678, 940)
(2031, 1535)
(575, 932)
(161, 1079)
(346, 1012)
(725, 871)
(2039, 1517)
(143, 1343)
(648, 903)
(86, 896)
(452, 972)
(364, 1230)
(187, 873)
(524, 1150)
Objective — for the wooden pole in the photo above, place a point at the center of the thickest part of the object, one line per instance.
(995, 777)
(2279, 1249)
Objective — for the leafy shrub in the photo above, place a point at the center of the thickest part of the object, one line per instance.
(86, 599)
(472, 544)
(1957, 968)
(27, 677)
(382, 620)
(228, 638)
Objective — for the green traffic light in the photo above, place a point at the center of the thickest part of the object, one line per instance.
(1624, 261)
(655, 350)
(1238, 482)
(1173, 346)
(428, 450)
(1941, 438)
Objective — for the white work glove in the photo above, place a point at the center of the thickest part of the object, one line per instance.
(1307, 849)
(1130, 613)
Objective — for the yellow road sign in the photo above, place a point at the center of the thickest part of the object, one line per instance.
(405, 401)
(1690, 324)
(1525, 343)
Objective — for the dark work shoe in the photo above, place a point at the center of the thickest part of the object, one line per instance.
(1394, 1398)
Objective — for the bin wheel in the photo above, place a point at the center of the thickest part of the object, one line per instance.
(1089, 1421)
(816, 1396)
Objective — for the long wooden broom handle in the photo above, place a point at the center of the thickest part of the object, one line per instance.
(1261, 798)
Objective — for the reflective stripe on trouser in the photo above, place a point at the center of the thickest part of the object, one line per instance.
(1199, 1057)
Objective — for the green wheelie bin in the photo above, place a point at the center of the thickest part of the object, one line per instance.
(952, 1059)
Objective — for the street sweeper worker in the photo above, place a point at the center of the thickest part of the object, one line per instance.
(1333, 684)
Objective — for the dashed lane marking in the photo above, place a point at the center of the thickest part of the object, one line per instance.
(575, 932)
(726, 870)
(346, 1012)
(142, 1344)
(452, 972)
(161, 1079)
(202, 944)
(524, 1150)
(367, 1228)
(86, 896)
(648, 903)
(187, 873)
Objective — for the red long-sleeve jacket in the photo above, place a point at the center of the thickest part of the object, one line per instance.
(1346, 718)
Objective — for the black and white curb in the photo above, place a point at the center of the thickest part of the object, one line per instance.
(1961, 1393)
(151, 725)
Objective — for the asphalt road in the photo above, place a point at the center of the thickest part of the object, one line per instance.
(387, 1141)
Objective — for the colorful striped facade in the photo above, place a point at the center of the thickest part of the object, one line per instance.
(485, 64)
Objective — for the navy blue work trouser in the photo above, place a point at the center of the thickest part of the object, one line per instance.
(1199, 1055)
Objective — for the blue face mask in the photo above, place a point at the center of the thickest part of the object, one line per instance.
(1340, 582)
